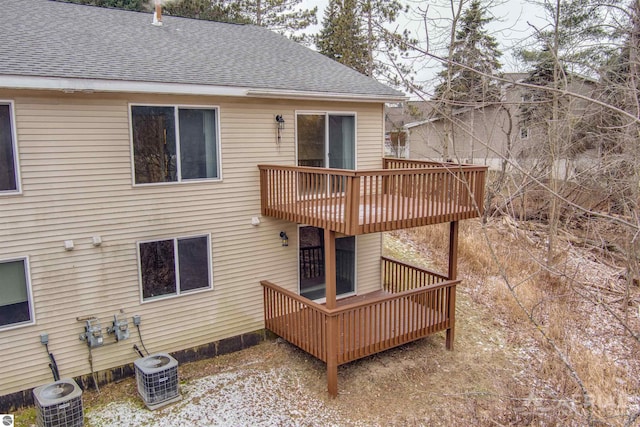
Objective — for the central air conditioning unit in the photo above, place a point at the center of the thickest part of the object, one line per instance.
(59, 404)
(157, 378)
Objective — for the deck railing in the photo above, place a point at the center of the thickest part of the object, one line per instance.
(406, 193)
(418, 303)
(397, 163)
(399, 276)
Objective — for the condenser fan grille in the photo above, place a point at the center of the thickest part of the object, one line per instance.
(155, 361)
(57, 390)
(59, 404)
(157, 379)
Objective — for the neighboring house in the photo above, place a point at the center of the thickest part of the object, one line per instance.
(165, 171)
(397, 116)
(487, 134)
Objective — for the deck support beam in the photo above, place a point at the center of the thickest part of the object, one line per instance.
(332, 321)
(330, 267)
(452, 275)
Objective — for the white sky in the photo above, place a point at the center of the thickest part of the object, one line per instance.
(511, 29)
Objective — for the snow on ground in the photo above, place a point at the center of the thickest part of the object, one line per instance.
(244, 397)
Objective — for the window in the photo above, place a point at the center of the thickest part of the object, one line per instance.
(8, 157)
(15, 293)
(524, 133)
(326, 141)
(174, 266)
(174, 144)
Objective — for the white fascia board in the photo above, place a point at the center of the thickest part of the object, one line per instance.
(323, 96)
(97, 85)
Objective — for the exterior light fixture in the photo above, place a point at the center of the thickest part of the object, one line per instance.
(279, 127)
(284, 238)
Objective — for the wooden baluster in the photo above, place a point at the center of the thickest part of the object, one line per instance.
(452, 275)
(314, 195)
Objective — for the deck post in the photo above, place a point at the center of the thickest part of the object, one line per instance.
(453, 250)
(330, 267)
(352, 214)
(452, 275)
(264, 176)
(332, 321)
(332, 356)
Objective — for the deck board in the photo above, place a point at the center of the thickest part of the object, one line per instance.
(371, 201)
(374, 215)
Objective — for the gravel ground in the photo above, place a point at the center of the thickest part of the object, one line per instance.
(246, 396)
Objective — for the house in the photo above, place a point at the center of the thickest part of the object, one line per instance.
(181, 187)
(488, 134)
(397, 116)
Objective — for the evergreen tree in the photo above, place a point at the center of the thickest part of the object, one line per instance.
(341, 37)
(536, 108)
(619, 84)
(475, 48)
(119, 4)
(282, 16)
(210, 10)
(571, 43)
(614, 134)
(382, 44)
(577, 30)
(353, 33)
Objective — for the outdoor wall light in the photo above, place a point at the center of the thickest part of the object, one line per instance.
(280, 127)
(284, 238)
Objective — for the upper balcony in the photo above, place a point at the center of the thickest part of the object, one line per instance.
(403, 194)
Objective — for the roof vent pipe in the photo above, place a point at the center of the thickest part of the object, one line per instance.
(157, 15)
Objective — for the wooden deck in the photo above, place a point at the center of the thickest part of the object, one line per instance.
(413, 304)
(403, 194)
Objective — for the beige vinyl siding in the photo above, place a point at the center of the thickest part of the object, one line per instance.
(370, 128)
(368, 262)
(75, 161)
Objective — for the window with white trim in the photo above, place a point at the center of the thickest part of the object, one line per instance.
(15, 293)
(8, 158)
(174, 144)
(174, 266)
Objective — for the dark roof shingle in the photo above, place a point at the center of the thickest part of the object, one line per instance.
(43, 38)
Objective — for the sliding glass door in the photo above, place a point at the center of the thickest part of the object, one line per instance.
(326, 140)
(341, 142)
(311, 269)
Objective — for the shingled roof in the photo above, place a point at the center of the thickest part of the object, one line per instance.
(54, 45)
